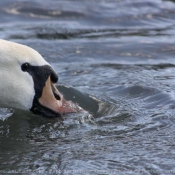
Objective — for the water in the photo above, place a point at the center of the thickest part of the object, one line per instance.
(116, 59)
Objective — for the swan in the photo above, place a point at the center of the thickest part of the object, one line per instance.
(27, 82)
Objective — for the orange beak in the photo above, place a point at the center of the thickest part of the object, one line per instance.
(52, 99)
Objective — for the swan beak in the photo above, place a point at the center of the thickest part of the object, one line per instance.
(53, 100)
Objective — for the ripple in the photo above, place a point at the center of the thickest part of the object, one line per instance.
(116, 64)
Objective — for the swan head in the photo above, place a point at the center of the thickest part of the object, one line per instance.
(27, 82)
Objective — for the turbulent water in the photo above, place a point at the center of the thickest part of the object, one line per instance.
(116, 59)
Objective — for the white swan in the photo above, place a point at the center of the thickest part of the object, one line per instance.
(27, 82)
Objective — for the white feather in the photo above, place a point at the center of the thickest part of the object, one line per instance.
(16, 86)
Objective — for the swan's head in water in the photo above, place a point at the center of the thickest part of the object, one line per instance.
(27, 82)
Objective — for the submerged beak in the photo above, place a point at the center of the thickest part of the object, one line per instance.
(52, 103)
(55, 102)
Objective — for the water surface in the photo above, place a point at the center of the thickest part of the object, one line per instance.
(114, 58)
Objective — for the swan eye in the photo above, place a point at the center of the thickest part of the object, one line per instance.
(25, 67)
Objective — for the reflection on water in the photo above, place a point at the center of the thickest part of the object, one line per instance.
(116, 60)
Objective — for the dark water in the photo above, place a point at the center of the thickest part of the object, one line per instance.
(117, 58)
